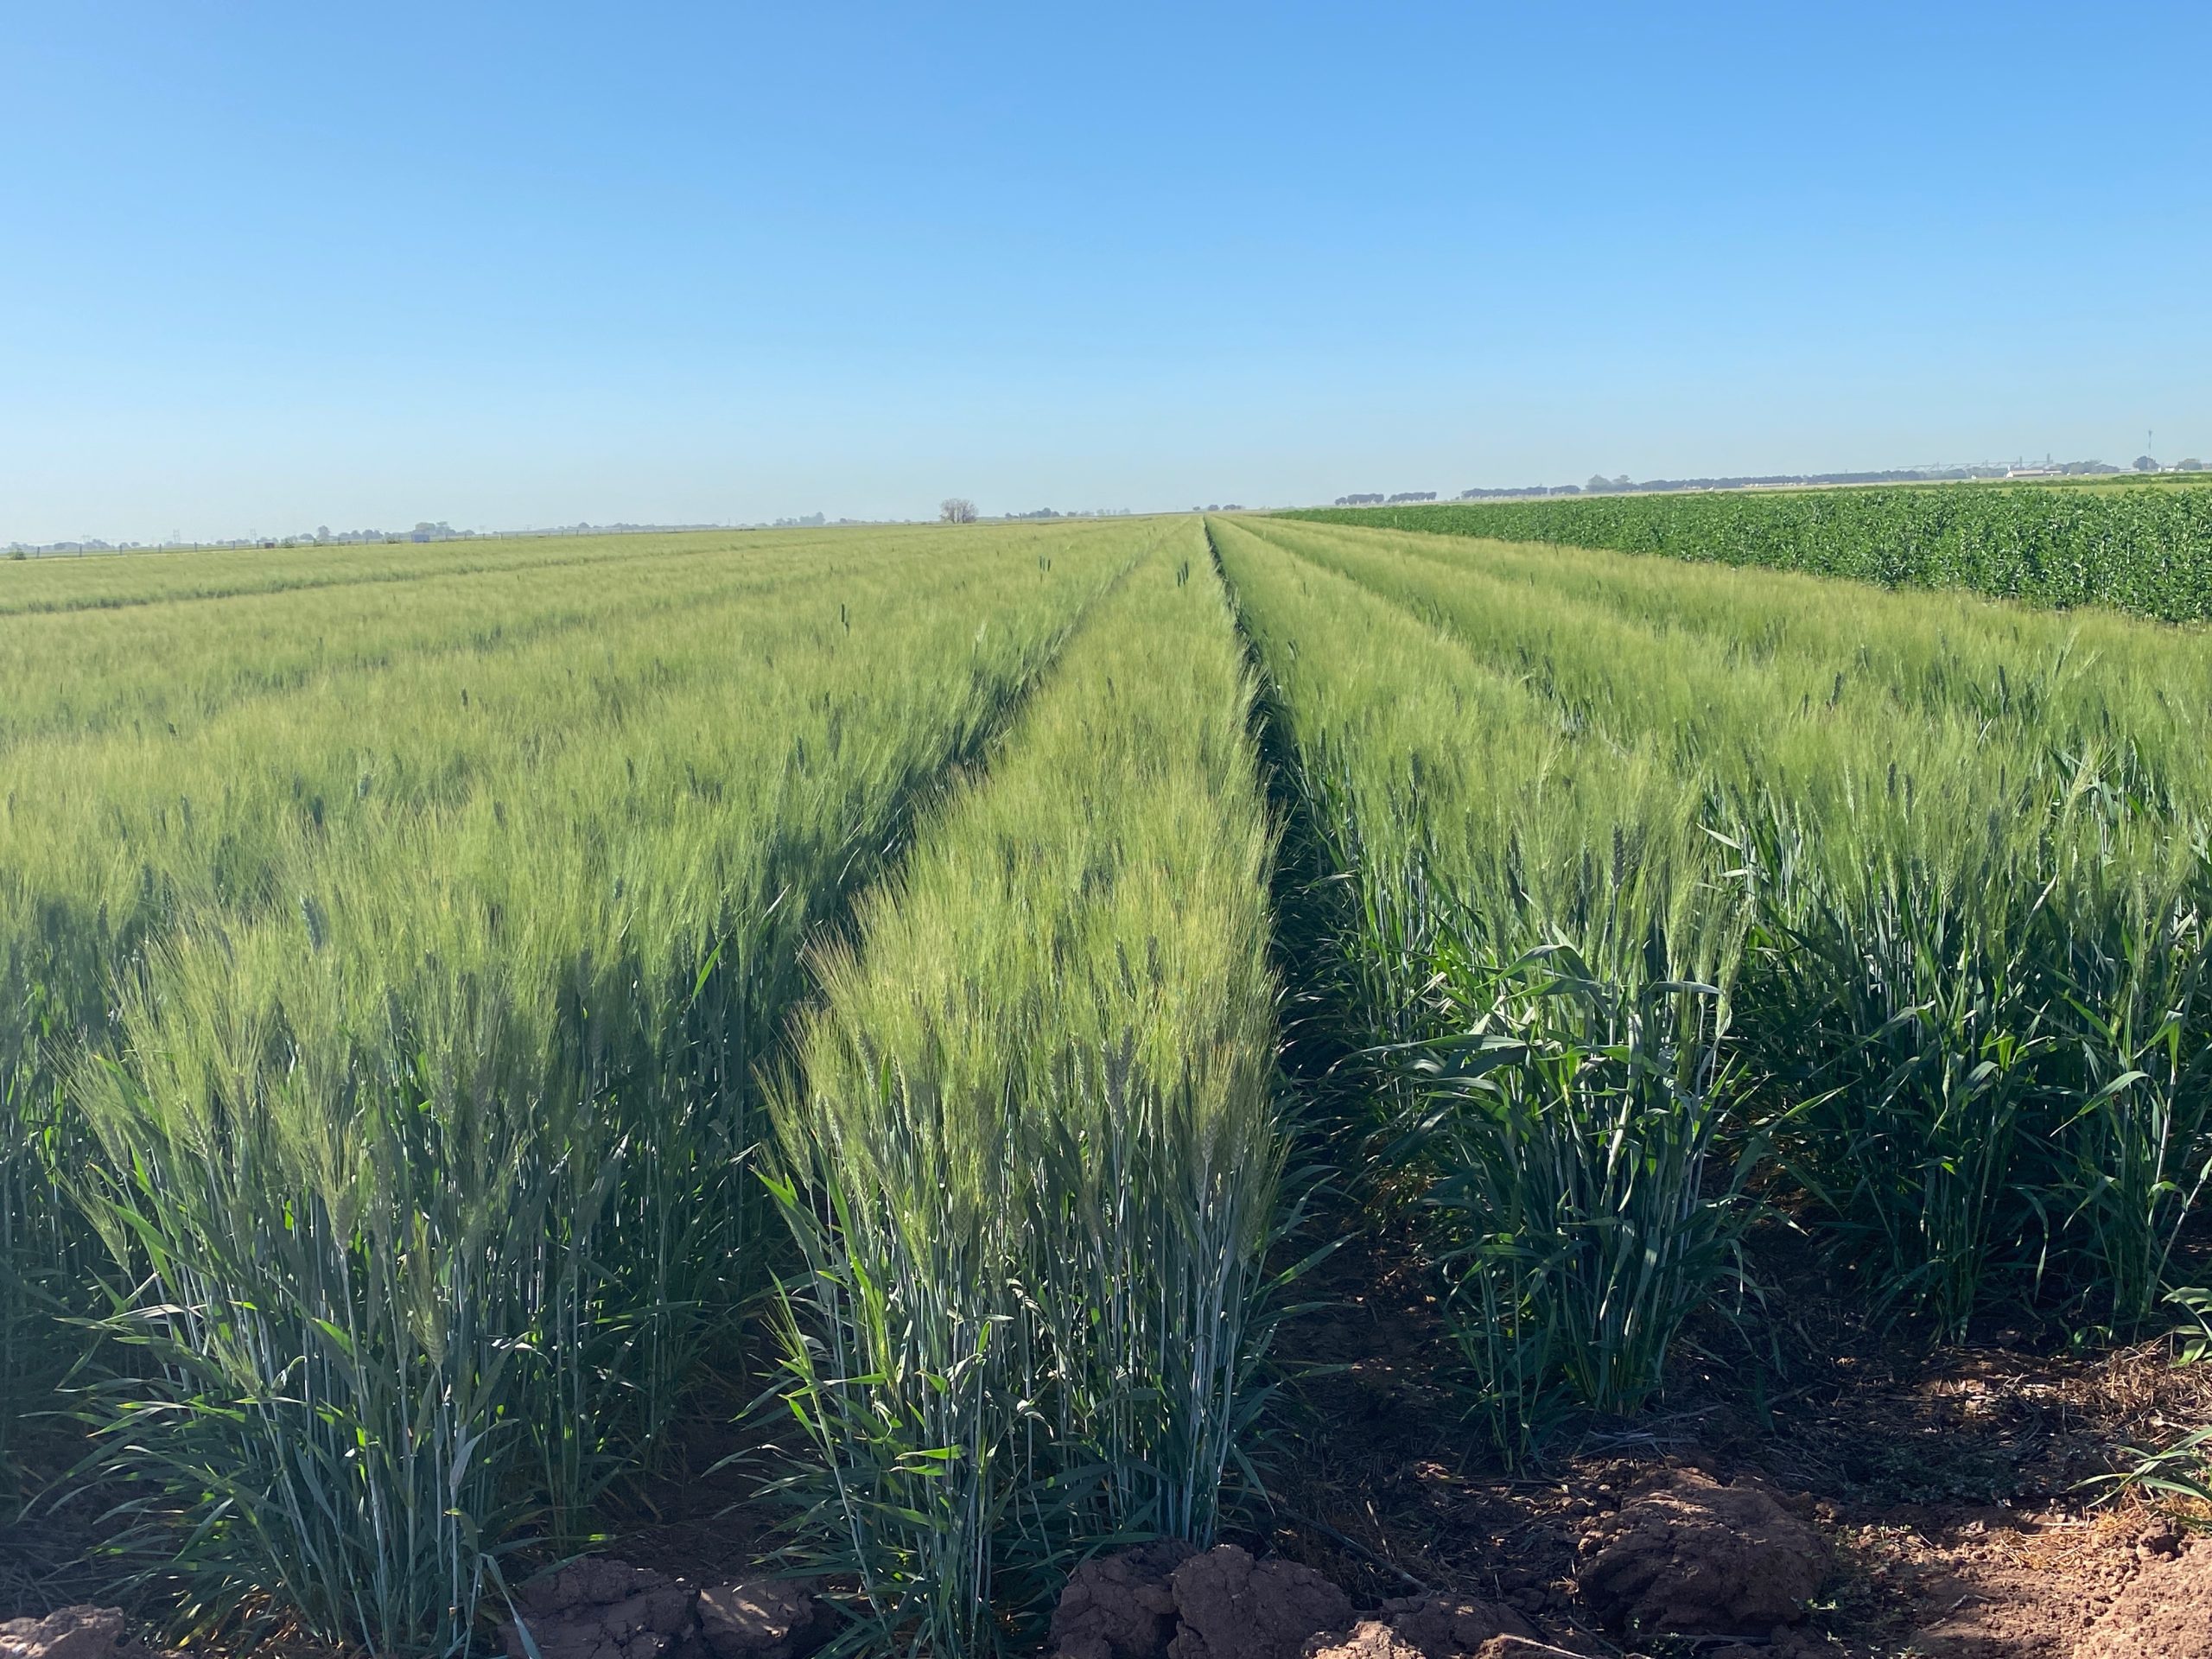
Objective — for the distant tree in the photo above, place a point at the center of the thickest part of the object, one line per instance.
(2192, 465)
(957, 510)
(1598, 484)
(2145, 464)
(323, 532)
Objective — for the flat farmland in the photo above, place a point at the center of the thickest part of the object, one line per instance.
(1300, 1031)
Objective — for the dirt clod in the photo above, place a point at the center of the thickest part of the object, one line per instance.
(82, 1632)
(759, 1618)
(1785, 1644)
(2165, 1612)
(1369, 1639)
(1693, 1557)
(2160, 1541)
(1119, 1606)
(1446, 1626)
(602, 1609)
(1233, 1607)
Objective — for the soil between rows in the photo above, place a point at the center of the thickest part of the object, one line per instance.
(1949, 1481)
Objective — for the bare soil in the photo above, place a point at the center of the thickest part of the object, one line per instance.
(1947, 1480)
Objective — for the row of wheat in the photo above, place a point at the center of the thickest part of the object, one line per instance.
(1671, 887)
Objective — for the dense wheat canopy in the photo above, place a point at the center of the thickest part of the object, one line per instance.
(470, 1014)
(1899, 898)
(391, 1012)
(1035, 1150)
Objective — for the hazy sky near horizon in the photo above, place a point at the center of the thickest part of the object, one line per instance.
(268, 266)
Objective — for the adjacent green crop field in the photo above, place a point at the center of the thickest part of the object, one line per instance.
(2147, 551)
(452, 1001)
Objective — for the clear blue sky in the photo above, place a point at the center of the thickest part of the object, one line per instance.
(267, 266)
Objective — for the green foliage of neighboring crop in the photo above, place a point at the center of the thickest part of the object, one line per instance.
(385, 983)
(2144, 551)
(1032, 1145)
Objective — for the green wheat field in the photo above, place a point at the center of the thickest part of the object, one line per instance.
(453, 999)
